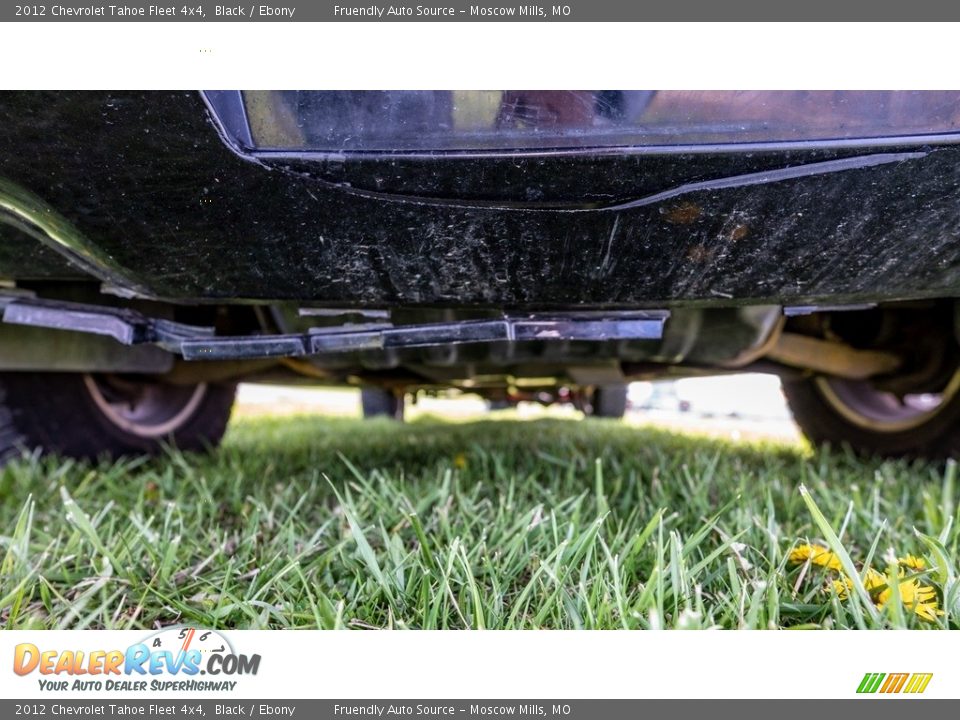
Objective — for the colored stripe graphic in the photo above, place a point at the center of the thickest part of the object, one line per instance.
(870, 682)
(893, 683)
(918, 682)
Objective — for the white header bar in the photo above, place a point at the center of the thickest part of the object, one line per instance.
(468, 56)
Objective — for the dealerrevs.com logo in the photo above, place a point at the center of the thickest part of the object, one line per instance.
(891, 683)
(173, 659)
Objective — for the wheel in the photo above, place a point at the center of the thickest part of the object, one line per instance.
(873, 422)
(609, 401)
(379, 402)
(85, 416)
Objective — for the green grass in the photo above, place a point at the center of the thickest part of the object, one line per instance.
(318, 522)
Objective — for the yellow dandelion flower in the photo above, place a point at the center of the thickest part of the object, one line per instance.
(816, 554)
(913, 562)
(920, 599)
(874, 581)
(927, 611)
(842, 587)
(911, 593)
(460, 461)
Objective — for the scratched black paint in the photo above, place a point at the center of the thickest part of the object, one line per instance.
(146, 177)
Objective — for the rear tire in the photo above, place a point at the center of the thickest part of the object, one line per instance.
(86, 416)
(875, 423)
(609, 401)
(379, 402)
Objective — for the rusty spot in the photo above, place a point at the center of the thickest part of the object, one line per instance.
(699, 254)
(738, 232)
(683, 214)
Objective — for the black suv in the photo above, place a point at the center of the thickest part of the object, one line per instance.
(157, 248)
